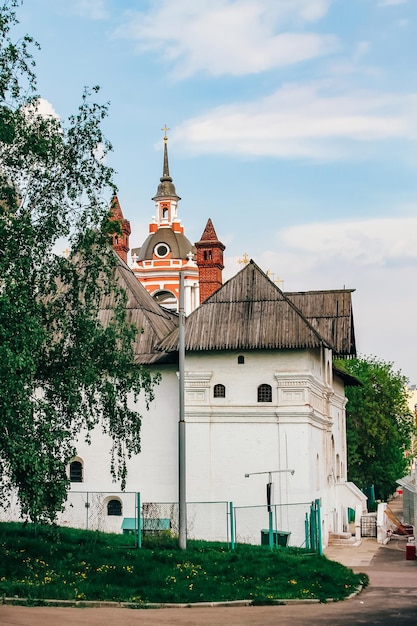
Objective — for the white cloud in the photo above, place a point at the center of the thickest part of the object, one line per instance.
(386, 3)
(92, 9)
(41, 107)
(361, 51)
(235, 37)
(45, 108)
(308, 121)
(377, 258)
(314, 256)
(372, 242)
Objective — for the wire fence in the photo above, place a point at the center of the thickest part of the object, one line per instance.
(282, 525)
(296, 525)
(205, 520)
(98, 510)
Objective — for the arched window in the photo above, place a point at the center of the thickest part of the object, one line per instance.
(219, 391)
(114, 507)
(166, 299)
(76, 472)
(240, 359)
(264, 393)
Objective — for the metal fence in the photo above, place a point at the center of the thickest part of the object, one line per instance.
(279, 525)
(123, 512)
(205, 520)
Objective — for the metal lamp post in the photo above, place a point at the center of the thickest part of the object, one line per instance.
(269, 498)
(182, 500)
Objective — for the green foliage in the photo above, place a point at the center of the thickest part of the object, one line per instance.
(79, 565)
(61, 371)
(379, 425)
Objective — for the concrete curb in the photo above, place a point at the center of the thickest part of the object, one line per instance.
(101, 604)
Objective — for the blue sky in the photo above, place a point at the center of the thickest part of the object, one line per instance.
(293, 127)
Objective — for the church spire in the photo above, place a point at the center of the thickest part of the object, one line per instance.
(166, 188)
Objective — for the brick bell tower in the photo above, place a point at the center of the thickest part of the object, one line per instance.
(209, 261)
(120, 241)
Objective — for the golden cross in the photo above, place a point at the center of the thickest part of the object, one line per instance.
(165, 128)
(244, 259)
(66, 253)
(271, 276)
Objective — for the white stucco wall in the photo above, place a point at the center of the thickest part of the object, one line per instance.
(302, 429)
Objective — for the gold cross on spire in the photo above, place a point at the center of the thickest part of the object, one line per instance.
(244, 260)
(165, 128)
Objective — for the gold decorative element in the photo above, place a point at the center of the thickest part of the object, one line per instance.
(278, 281)
(244, 260)
(165, 129)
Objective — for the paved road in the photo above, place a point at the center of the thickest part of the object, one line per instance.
(376, 606)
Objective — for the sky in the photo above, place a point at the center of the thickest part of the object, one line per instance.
(293, 126)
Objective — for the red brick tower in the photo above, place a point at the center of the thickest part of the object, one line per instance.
(120, 241)
(209, 261)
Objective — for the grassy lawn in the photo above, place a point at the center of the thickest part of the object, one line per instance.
(62, 563)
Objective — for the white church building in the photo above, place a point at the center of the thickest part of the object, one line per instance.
(263, 401)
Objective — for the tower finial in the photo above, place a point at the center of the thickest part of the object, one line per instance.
(165, 129)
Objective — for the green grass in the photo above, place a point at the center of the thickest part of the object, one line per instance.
(43, 562)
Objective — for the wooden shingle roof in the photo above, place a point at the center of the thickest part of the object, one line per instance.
(248, 312)
(145, 313)
(330, 313)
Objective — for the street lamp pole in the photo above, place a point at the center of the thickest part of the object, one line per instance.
(269, 497)
(182, 501)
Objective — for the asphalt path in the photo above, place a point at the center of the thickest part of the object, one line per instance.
(377, 605)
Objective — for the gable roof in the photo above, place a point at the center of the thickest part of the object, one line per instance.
(145, 313)
(248, 312)
(330, 313)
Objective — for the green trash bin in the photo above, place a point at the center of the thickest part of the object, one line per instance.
(279, 537)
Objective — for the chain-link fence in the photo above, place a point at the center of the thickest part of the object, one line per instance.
(281, 525)
(10, 510)
(110, 512)
(205, 520)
